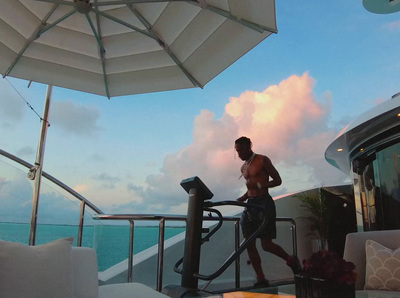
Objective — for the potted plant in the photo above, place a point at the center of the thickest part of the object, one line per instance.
(316, 204)
(326, 274)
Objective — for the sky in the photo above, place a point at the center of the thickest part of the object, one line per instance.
(292, 94)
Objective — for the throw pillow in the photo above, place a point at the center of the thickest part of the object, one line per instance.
(382, 270)
(36, 271)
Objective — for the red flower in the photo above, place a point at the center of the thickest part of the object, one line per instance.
(328, 265)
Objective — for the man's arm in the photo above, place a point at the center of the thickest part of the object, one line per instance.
(243, 198)
(273, 173)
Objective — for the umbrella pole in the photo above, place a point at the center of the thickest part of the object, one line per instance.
(39, 166)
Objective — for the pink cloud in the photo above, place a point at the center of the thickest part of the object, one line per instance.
(280, 115)
(285, 122)
(395, 25)
(378, 101)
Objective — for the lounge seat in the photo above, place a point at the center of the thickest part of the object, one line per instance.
(354, 251)
(58, 270)
(85, 280)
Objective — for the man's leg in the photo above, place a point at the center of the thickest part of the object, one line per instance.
(255, 260)
(274, 248)
(291, 261)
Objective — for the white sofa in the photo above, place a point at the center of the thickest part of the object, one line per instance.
(58, 270)
(85, 280)
(355, 252)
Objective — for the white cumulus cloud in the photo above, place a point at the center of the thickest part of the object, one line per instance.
(285, 122)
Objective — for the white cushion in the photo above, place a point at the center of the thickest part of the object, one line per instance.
(382, 267)
(377, 294)
(85, 273)
(129, 290)
(43, 271)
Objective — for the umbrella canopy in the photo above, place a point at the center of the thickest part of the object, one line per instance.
(122, 47)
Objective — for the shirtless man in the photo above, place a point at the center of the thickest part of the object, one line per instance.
(257, 171)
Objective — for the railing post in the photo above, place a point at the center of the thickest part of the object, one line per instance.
(198, 193)
(294, 237)
(191, 256)
(237, 261)
(160, 261)
(131, 239)
(81, 223)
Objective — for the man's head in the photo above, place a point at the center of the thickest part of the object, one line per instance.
(243, 148)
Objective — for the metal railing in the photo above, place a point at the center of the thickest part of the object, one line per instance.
(144, 217)
(83, 201)
(162, 220)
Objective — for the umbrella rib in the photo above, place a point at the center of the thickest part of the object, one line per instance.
(97, 19)
(152, 35)
(101, 53)
(258, 27)
(102, 57)
(164, 46)
(107, 3)
(127, 2)
(96, 35)
(34, 36)
(103, 14)
(183, 69)
(48, 27)
(62, 2)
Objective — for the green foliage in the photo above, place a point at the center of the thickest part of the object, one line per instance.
(316, 203)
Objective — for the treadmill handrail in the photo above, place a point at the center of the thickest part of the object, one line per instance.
(242, 246)
(244, 243)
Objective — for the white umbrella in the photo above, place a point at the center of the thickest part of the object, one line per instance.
(123, 47)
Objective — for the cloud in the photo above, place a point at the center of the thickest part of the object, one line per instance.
(54, 207)
(75, 118)
(107, 180)
(285, 122)
(81, 188)
(375, 101)
(393, 26)
(26, 151)
(96, 157)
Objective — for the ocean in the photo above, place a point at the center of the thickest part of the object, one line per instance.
(110, 241)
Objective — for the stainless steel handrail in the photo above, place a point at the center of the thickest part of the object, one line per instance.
(84, 202)
(142, 217)
(162, 218)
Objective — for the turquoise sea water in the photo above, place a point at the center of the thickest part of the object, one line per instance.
(110, 242)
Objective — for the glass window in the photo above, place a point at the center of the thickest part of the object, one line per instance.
(377, 189)
(387, 175)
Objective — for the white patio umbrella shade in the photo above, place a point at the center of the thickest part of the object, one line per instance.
(122, 47)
